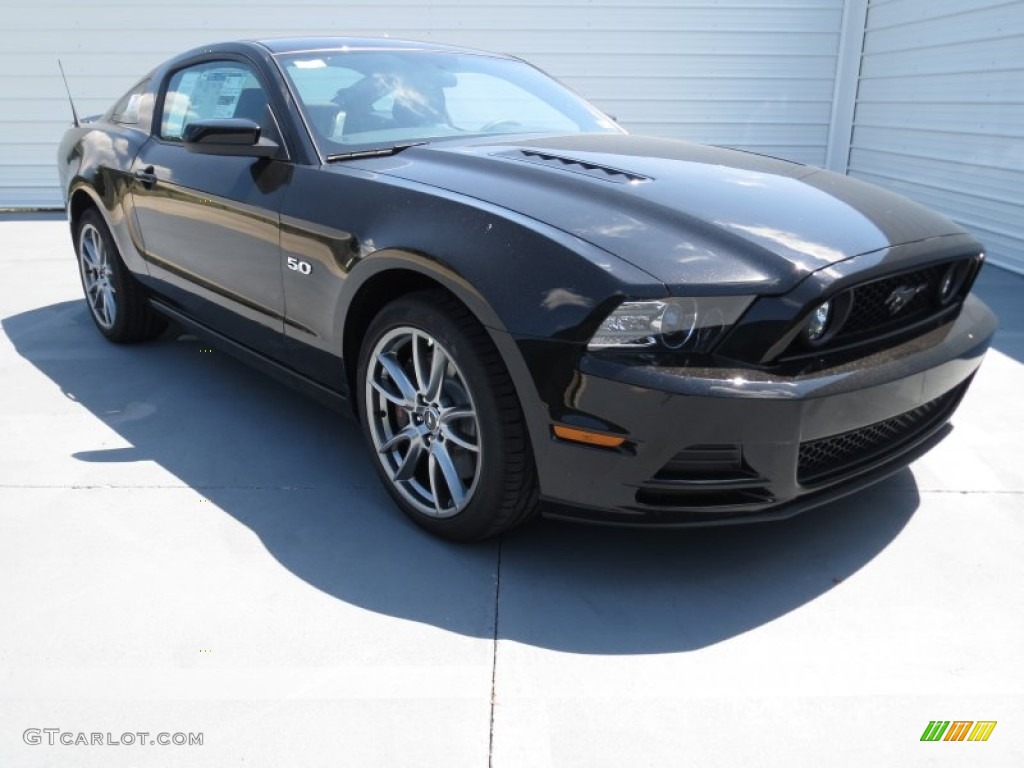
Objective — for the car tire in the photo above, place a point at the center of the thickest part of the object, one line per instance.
(442, 420)
(117, 303)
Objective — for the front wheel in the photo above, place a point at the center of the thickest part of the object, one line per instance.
(441, 417)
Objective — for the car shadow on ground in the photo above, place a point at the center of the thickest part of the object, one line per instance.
(297, 475)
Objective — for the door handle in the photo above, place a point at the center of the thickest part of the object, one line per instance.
(147, 176)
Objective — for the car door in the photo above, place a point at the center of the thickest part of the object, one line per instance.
(210, 223)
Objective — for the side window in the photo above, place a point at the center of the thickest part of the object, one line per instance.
(127, 110)
(212, 90)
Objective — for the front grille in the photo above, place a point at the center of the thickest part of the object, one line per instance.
(888, 308)
(872, 311)
(839, 454)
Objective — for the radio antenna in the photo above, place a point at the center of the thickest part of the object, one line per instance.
(71, 101)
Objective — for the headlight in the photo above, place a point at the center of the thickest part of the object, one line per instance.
(689, 324)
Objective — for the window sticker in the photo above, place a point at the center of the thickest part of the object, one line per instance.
(216, 94)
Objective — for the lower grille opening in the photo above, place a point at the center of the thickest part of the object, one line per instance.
(705, 476)
(700, 463)
(686, 498)
(839, 454)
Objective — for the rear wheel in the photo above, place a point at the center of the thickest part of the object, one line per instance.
(441, 417)
(117, 303)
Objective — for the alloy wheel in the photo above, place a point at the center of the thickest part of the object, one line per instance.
(423, 422)
(97, 276)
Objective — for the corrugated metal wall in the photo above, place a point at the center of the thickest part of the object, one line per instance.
(940, 113)
(755, 74)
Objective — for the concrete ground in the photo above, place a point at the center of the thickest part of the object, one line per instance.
(187, 547)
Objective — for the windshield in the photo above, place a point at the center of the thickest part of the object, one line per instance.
(359, 100)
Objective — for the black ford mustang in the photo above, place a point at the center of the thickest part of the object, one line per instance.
(519, 302)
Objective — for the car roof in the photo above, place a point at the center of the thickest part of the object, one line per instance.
(299, 44)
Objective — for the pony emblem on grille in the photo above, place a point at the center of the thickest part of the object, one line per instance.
(902, 296)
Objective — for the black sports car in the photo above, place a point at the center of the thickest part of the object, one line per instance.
(523, 306)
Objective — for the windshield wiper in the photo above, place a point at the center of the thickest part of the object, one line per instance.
(376, 152)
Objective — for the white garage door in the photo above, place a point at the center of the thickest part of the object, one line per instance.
(756, 74)
(940, 113)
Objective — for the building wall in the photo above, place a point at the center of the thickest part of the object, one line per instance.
(939, 113)
(754, 74)
(923, 96)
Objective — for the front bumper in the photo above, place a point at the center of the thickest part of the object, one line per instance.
(711, 446)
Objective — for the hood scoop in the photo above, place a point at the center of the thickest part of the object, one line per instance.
(574, 165)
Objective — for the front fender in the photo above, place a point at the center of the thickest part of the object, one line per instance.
(516, 273)
(346, 227)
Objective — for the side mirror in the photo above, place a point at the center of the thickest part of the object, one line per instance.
(228, 136)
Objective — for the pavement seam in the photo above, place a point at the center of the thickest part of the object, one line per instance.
(494, 654)
(953, 490)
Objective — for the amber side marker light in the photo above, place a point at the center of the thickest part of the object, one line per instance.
(588, 437)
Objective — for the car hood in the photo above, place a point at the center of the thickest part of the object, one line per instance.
(695, 217)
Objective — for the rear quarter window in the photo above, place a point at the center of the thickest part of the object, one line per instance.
(134, 106)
